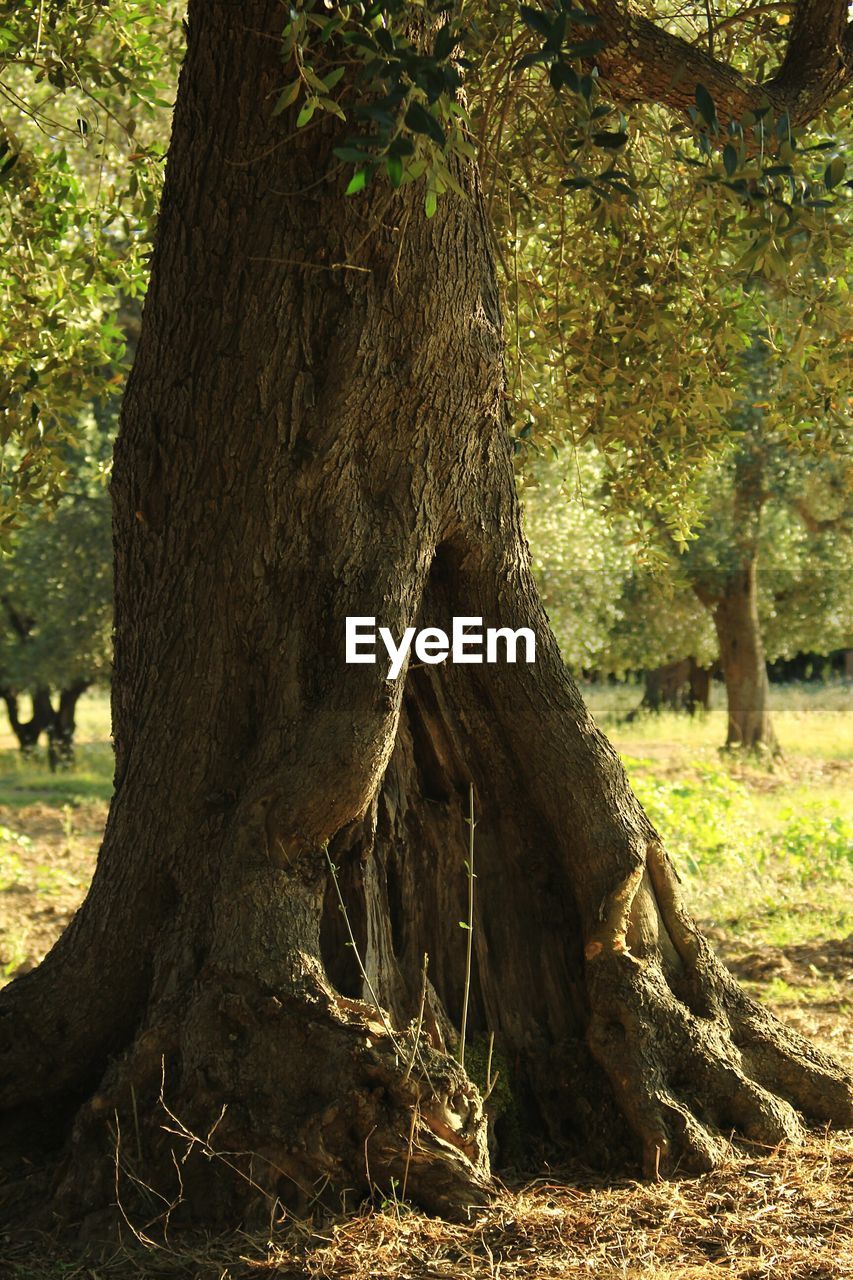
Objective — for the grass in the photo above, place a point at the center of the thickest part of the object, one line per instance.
(811, 719)
(784, 1215)
(766, 859)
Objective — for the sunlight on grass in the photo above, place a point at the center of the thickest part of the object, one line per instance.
(810, 719)
(26, 781)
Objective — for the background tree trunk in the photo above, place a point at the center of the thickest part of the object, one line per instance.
(699, 687)
(60, 733)
(41, 719)
(742, 659)
(315, 428)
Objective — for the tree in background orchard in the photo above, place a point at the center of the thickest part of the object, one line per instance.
(316, 426)
(617, 604)
(56, 597)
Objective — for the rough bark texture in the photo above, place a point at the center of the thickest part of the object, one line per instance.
(314, 428)
(643, 62)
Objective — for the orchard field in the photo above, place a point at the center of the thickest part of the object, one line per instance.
(766, 856)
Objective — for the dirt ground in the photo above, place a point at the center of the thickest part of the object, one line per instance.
(43, 882)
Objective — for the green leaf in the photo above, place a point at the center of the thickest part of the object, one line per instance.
(332, 78)
(444, 42)
(584, 48)
(530, 59)
(352, 155)
(705, 104)
(334, 108)
(287, 97)
(306, 113)
(357, 182)
(430, 203)
(394, 165)
(420, 120)
(536, 20)
(730, 159)
(834, 173)
(610, 141)
(563, 76)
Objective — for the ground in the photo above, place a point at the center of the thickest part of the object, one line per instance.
(765, 855)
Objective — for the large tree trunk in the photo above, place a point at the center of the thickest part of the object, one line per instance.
(742, 658)
(314, 428)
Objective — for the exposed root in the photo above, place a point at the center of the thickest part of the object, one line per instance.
(267, 1103)
(691, 1057)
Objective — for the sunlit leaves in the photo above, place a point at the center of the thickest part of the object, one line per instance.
(390, 72)
(85, 122)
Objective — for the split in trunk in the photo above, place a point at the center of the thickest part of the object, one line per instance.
(57, 723)
(29, 731)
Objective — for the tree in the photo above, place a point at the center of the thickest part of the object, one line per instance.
(56, 597)
(81, 149)
(751, 501)
(618, 605)
(315, 428)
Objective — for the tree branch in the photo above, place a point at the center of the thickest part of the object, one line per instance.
(642, 62)
(819, 59)
(815, 525)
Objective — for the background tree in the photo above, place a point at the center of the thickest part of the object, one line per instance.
(56, 593)
(620, 604)
(82, 141)
(315, 427)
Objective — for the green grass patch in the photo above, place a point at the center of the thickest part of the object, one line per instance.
(778, 864)
(28, 780)
(811, 720)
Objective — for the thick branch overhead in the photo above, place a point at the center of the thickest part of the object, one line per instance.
(644, 63)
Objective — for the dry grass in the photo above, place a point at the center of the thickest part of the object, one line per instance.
(783, 1215)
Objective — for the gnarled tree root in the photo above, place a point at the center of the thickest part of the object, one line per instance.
(346, 1108)
(690, 1056)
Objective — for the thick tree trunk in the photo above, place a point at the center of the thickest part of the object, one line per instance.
(742, 658)
(314, 429)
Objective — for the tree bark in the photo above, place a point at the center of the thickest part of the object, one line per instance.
(742, 659)
(315, 428)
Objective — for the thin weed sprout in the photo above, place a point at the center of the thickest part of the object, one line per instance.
(469, 925)
(161, 1206)
(365, 978)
